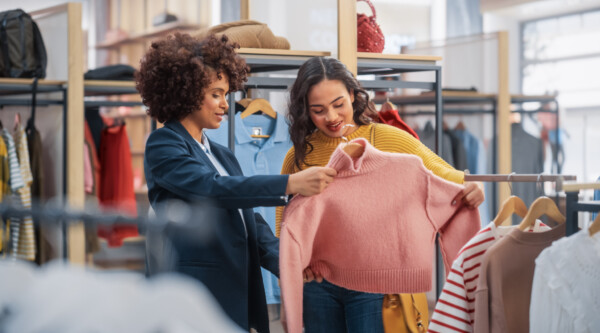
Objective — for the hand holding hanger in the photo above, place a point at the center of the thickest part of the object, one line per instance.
(353, 150)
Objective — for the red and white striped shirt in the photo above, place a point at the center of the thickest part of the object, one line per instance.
(455, 309)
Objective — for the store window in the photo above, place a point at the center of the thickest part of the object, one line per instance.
(562, 55)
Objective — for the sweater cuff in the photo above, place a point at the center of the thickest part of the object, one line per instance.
(456, 176)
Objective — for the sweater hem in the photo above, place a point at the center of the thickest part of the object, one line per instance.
(385, 281)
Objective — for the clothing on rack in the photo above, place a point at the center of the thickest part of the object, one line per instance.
(4, 189)
(27, 243)
(565, 296)
(259, 156)
(116, 183)
(504, 287)
(455, 308)
(596, 198)
(35, 148)
(327, 233)
(427, 136)
(459, 154)
(392, 117)
(527, 158)
(476, 164)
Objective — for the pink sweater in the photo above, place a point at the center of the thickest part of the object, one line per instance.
(373, 229)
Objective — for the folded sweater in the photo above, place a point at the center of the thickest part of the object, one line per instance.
(378, 241)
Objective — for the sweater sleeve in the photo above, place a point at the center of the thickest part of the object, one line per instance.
(286, 169)
(301, 221)
(290, 261)
(393, 140)
(455, 224)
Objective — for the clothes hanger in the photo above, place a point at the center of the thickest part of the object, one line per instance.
(17, 121)
(595, 226)
(460, 126)
(387, 105)
(353, 150)
(512, 205)
(244, 102)
(259, 104)
(541, 206)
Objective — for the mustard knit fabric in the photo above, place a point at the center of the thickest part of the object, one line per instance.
(383, 137)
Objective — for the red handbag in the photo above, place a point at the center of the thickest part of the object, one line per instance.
(369, 35)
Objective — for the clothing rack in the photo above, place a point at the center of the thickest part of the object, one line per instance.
(574, 206)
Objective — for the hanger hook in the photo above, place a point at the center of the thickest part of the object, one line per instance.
(343, 132)
(510, 182)
(539, 184)
(387, 96)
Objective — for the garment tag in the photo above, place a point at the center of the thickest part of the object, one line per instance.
(256, 131)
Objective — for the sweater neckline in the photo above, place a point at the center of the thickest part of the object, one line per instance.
(361, 131)
(371, 159)
(542, 237)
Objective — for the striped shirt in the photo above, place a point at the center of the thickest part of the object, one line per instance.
(455, 309)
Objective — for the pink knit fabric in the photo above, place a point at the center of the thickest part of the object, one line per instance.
(373, 229)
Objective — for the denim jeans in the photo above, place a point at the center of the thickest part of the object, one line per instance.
(332, 309)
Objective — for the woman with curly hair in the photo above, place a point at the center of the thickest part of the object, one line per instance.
(184, 83)
(326, 102)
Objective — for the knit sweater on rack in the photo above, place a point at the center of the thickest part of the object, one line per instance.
(383, 137)
(379, 239)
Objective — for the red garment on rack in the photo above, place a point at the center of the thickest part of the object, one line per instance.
(391, 117)
(116, 183)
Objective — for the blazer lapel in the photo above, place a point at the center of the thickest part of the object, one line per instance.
(225, 160)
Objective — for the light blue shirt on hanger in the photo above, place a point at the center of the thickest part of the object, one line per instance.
(259, 156)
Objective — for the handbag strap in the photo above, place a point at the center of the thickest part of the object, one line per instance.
(374, 16)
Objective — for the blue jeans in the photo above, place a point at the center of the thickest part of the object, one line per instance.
(331, 309)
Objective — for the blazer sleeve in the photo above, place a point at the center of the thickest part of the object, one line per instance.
(455, 224)
(175, 169)
(268, 245)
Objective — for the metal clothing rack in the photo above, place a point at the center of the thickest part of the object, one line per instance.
(14, 87)
(574, 206)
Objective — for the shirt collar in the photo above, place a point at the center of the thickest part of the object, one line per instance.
(205, 144)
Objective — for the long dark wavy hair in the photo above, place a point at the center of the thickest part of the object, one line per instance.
(311, 73)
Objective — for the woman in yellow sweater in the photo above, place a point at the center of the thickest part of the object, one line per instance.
(324, 98)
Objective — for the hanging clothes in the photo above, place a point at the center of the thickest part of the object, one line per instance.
(4, 187)
(506, 275)
(596, 198)
(476, 163)
(35, 149)
(116, 183)
(455, 308)
(328, 233)
(459, 154)
(427, 136)
(527, 158)
(392, 117)
(565, 295)
(27, 244)
(259, 156)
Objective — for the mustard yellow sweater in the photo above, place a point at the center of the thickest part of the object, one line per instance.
(383, 137)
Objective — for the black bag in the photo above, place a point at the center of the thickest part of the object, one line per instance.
(22, 50)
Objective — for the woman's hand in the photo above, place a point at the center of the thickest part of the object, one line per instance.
(471, 196)
(310, 276)
(310, 181)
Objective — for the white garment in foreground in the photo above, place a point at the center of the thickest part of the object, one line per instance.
(565, 296)
(69, 299)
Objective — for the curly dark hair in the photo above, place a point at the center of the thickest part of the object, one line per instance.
(175, 71)
(312, 72)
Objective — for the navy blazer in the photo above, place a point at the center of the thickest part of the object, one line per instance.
(227, 262)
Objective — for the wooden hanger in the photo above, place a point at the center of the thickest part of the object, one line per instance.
(595, 226)
(259, 104)
(244, 102)
(460, 126)
(541, 206)
(387, 106)
(512, 205)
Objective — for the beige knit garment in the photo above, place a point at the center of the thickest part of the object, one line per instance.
(504, 287)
